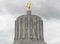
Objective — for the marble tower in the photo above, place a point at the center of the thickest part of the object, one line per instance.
(29, 29)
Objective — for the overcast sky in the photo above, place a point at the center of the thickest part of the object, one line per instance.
(48, 10)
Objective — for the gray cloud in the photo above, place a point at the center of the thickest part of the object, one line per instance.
(47, 9)
(6, 29)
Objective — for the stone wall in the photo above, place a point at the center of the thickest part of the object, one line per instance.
(29, 27)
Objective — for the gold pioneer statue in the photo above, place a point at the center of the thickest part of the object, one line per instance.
(28, 6)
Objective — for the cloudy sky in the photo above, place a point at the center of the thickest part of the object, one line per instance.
(48, 10)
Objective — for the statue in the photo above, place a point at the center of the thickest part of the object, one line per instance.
(28, 6)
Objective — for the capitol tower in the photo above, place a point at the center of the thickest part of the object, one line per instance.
(29, 28)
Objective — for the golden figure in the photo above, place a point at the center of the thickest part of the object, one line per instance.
(28, 6)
